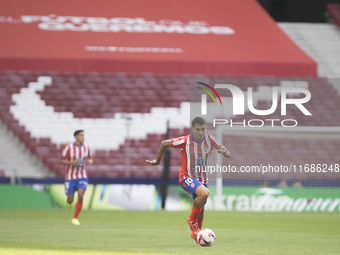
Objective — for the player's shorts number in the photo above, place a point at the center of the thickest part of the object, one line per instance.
(188, 181)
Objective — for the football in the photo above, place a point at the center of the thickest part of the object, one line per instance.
(206, 237)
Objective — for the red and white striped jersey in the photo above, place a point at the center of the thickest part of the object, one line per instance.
(72, 152)
(195, 154)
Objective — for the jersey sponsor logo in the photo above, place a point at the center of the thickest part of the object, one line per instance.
(200, 161)
(81, 161)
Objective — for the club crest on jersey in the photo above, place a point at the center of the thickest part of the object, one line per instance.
(192, 185)
(200, 161)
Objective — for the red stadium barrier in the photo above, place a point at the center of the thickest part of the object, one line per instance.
(210, 37)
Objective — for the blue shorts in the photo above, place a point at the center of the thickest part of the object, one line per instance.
(72, 185)
(190, 185)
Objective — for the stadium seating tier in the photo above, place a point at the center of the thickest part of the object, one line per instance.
(101, 95)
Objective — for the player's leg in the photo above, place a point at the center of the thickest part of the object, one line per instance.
(70, 188)
(196, 217)
(200, 197)
(69, 201)
(81, 193)
(79, 204)
(200, 218)
(201, 215)
(81, 188)
(70, 198)
(200, 194)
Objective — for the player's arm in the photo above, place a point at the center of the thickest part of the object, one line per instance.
(161, 150)
(64, 155)
(223, 151)
(64, 161)
(89, 161)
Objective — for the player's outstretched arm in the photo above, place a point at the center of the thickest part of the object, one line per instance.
(162, 147)
(223, 151)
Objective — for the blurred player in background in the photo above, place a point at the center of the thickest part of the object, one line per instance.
(76, 155)
(195, 149)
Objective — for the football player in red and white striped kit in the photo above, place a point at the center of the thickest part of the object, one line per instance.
(195, 149)
(76, 155)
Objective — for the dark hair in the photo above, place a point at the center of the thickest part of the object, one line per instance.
(77, 132)
(198, 121)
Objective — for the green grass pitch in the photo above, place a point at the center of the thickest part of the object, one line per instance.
(160, 232)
